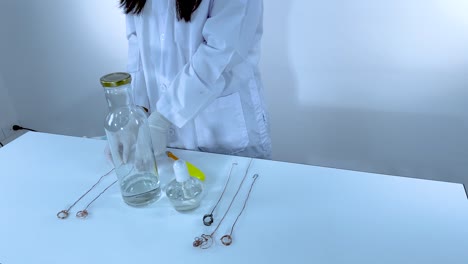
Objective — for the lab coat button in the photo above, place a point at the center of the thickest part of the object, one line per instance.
(163, 36)
(163, 87)
(171, 131)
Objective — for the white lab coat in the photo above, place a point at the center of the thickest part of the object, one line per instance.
(202, 76)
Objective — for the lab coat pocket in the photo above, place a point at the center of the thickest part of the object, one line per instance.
(221, 126)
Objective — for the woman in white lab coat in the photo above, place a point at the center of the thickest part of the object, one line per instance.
(194, 65)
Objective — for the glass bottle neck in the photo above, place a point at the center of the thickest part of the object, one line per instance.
(119, 96)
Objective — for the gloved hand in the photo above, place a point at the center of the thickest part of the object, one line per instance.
(131, 148)
(159, 126)
(122, 145)
(108, 154)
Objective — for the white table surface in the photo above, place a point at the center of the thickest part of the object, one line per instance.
(295, 214)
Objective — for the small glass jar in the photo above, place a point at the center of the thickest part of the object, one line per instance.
(129, 141)
(184, 192)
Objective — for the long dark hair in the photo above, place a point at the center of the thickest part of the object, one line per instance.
(185, 8)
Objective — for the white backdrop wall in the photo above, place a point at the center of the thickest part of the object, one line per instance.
(370, 85)
(56, 52)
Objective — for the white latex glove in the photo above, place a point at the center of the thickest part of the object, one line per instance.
(108, 154)
(159, 126)
(141, 155)
(123, 146)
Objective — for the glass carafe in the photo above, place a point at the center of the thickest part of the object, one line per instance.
(130, 144)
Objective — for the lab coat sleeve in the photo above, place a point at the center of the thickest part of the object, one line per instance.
(229, 34)
(134, 65)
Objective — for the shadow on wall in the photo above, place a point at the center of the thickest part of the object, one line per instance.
(334, 103)
(278, 76)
